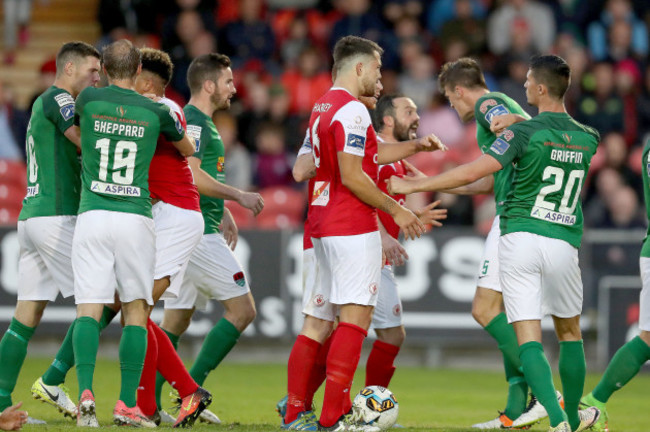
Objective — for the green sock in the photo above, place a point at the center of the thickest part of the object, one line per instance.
(217, 344)
(85, 342)
(624, 366)
(64, 359)
(573, 369)
(133, 347)
(63, 362)
(13, 349)
(505, 336)
(159, 378)
(538, 375)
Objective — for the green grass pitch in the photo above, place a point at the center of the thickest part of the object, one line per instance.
(244, 397)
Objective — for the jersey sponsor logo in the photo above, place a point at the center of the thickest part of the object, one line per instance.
(64, 99)
(499, 146)
(114, 189)
(110, 128)
(496, 111)
(486, 104)
(553, 216)
(194, 132)
(355, 144)
(220, 164)
(239, 279)
(566, 156)
(67, 112)
(321, 194)
(32, 191)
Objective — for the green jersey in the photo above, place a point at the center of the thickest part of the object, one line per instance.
(119, 132)
(551, 155)
(209, 148)
(645, 174)
(53, 168)
(486, 108)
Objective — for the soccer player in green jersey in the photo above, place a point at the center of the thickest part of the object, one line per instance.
(463, 83)
(47, 220)
(630, 357)
(541, 230)
(114, 241)
(213, 270)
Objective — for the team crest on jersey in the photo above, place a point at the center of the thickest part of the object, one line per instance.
(319, 300)
(496, 111)
(507, 135)
(567, 138)
(220, 164)
(239, 279)
(486, 104)
(67, 112)
(397, 310)
(373, 288)
(120, 111)
(499, 146)
(194, 133)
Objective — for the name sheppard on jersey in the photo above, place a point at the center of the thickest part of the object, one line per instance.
(119, 129)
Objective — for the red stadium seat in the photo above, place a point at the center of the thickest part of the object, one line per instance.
(9, 215)
(284, 207)
(13, 172)
(11, 195)
(243, 217)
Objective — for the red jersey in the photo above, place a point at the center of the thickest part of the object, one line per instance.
(386, 172)
(340, 123)
(170, 176)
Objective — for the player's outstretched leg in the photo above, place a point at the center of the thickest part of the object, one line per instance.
(13, 350)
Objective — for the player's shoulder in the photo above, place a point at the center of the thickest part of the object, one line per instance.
(354, 114)
(587, 129)
(171, 104)
(490, 100)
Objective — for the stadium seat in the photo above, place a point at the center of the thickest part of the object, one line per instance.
(13, 172)
(284, 207)
(243, 217)
(11, 195)
(9, 215)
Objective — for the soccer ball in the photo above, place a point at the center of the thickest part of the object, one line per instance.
(376, 406)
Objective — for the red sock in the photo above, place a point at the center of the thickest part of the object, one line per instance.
(171, 366)
(342, 361)
(146, 396)
(380, 369)
(318, 373)
(299, 368)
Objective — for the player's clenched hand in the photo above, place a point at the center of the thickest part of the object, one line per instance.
(430, 143)
(252, 201)
(430, 215)
(393, 252)
(408, 222)
(500, 122)
(229, 229)
(12, 418)
(400, 185)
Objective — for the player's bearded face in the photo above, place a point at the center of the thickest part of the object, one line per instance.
(372, 75)
(225, 90)
(370, 102)
(407, 119)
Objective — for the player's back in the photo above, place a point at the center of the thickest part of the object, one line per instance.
(170, 175)
(553, 156)
(119, 132)
(53, 168)
(340, 123)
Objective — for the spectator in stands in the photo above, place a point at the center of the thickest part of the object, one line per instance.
(394, 10)
(238, 159)
(307, 82)
(441, 11)
(13, 126)
(119, 19)
(293, 125)
(523, 14)
(464, 26)
(440, 119)
(17, 14)
(257, 102)
(643, 106)
(46, 75)
(622, 211)
(418, 81)
(272, 164)
(513, 83)
(250, 36)
(296, 41)
(603, 184)
(612, 19)
(600, 107)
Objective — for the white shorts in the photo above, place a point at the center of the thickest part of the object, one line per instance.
(388, 312)
(644, 313)
(45, 265)
(313, 303)
(113, 249)
(539, 276)
(212, 273)
(178, 231)
(488, 273)
(349, 268)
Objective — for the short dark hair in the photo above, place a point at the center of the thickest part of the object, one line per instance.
(158, 63)
(350, 46)
(206, 67)
(385, 107)
(553, 72)
(74, 51)
(464, 72)
(121, 59)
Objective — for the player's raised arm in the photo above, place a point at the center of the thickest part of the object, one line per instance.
(392, 152)
(304, 168)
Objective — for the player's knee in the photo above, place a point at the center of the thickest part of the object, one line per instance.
(394, 336)
(242, 316)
